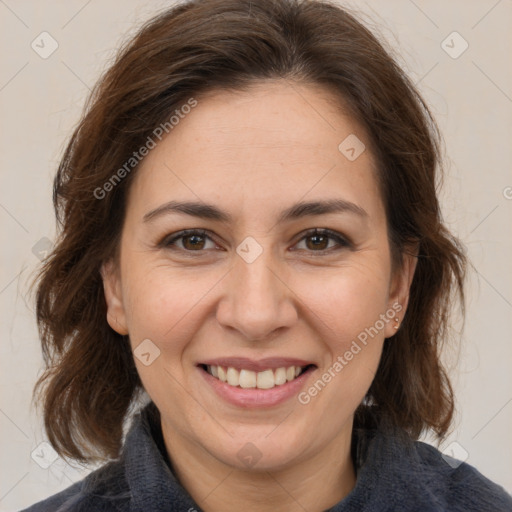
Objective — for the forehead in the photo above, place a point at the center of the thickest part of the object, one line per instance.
(274, 115)
(271, 142)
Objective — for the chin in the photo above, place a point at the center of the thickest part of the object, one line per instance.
(259, 448)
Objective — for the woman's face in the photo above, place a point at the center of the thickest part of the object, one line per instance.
(256, 290)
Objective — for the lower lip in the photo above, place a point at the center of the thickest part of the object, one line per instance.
(253, 397)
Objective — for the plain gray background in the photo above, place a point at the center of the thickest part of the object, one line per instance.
(471, 96)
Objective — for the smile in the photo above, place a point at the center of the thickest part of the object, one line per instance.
(247, 379)
(247, 383)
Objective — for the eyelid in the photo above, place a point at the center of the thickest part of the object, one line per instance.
(168, 240)
(342, 240)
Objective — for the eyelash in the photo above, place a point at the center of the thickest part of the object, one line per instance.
(342, 242)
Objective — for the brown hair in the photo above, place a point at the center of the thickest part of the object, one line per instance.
(198, 46)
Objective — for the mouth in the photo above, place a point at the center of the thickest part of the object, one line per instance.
(250, 384)
(244, 378)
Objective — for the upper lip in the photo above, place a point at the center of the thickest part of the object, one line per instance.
(256, 366)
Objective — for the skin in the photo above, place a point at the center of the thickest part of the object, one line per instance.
(253, 154)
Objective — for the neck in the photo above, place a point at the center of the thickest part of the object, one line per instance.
(315, 484)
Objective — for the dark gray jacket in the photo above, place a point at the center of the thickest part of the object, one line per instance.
(392, 475)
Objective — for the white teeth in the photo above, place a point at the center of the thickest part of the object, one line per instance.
(266, 379)
(280, 376)
(247, 379)
(233, 377)
(221, 373)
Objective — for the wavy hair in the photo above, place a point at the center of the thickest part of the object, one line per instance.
(90, 381)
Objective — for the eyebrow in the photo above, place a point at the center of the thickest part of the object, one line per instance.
(296, 211)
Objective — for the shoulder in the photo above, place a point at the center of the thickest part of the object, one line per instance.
(103, 490)
(458, 485)
(397, 473)
(140, 479)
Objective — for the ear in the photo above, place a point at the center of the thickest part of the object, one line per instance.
(116, 316)
(400, 288)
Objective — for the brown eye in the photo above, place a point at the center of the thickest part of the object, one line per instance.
(318, 240)
(189, 240)
(193, 242)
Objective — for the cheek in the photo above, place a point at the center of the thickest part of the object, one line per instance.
(351, 331)
(164, 305)
(348, 311)
(345, 301)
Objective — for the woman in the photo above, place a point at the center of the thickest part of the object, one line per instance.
(251, 240)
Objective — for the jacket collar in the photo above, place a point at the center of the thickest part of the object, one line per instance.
(152, 484)
(379, 458)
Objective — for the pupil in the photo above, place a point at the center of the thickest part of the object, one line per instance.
(195, 240)
(319, 239)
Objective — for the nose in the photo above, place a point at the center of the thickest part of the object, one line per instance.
(257, 301)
